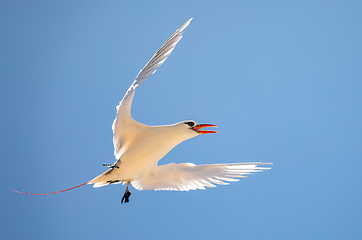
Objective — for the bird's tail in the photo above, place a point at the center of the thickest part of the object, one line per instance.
(50, 192)
(107, 178)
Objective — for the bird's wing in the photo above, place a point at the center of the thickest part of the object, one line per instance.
(123, 119)
(188, 176)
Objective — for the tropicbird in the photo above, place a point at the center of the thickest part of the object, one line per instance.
(139, 147)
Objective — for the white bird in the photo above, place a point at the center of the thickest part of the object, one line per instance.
(139, 147)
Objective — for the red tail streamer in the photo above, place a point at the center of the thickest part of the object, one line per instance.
(51, 192)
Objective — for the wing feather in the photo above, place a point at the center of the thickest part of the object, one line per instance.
(155, 62)
(188, 176)
(123, 120)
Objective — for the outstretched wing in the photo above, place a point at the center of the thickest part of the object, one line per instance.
(124, 120)
(188, 176)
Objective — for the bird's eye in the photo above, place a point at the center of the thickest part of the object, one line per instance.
(191, 124)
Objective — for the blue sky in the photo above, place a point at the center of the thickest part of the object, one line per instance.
(281, 79)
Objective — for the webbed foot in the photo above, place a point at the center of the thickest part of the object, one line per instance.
(126, 194)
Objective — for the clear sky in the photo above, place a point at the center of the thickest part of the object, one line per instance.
(281, 79)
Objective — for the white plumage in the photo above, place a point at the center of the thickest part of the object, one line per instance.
(138, 147)
(188, 176)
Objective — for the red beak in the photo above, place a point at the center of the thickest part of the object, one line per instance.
(198, 127)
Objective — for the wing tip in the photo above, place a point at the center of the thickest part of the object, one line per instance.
(185, 24)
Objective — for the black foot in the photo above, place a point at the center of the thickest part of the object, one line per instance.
(126, 196)
(110, 165)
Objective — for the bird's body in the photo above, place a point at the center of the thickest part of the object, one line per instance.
(146, 147)
(139, 147)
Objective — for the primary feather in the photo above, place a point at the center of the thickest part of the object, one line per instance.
(188, 176)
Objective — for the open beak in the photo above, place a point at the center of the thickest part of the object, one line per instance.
(200, 126)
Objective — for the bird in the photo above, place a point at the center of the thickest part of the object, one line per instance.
(138, 147)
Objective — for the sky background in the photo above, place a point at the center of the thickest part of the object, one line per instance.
(281, 79)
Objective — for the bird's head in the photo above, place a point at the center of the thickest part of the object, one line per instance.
(194, 128)
(179, 132)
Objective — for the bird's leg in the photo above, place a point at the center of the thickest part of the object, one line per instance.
(127, 194)
(110, 165)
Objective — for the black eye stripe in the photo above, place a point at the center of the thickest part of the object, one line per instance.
(191, 124)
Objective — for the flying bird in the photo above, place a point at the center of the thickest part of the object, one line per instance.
(139, 147)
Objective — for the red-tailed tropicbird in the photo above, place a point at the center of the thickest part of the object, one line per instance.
(139, 147)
